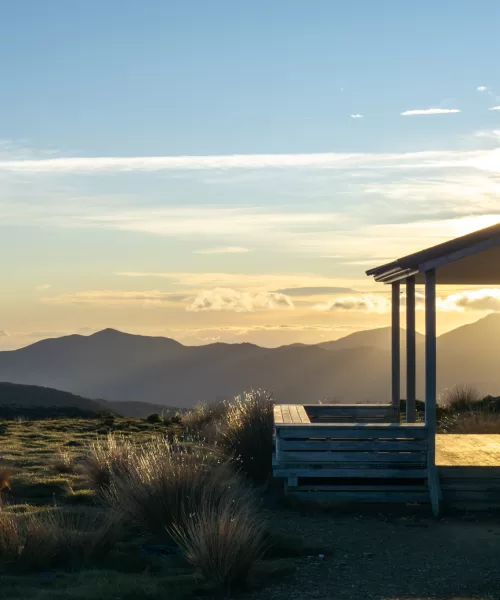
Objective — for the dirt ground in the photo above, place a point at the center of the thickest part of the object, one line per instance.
(403, 555)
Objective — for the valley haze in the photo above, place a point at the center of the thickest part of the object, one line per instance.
(122, 367)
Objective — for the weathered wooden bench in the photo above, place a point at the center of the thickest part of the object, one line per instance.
(352, 453)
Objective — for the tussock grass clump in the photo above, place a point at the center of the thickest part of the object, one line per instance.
(202, 420)
(460, 396)
(10, 538)
(57, 538)
(223, 539)
(247, 433)
(64, 462)
(163, 481)
(107, 457)
(474, 422)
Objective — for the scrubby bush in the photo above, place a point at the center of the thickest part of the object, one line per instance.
(246, 433)
(154, 418)
(223, 539)
(165, 480)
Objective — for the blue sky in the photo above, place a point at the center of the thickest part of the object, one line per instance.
(362, 130)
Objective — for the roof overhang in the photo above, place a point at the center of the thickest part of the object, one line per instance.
(473, 259)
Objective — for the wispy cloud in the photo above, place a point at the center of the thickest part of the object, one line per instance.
(430, 111)
(227, 299)
(226, 250)
(43, 286)
(314, 291)
(495, 107)
(112, 298)
(331, 160)
(247, 281)
(482, 88)
(357, 116)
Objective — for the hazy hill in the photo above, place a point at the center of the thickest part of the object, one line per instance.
(26, 400)
(471, 354)
(128, 368)
(376, 338)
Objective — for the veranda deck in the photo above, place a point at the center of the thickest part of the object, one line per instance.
(362, 453)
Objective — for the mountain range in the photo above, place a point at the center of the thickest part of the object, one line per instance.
(117, 366)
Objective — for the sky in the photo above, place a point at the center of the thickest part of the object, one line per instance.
(228, 171)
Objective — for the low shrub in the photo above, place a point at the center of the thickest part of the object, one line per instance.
(247, 433)
(223, 539)
(154, 418)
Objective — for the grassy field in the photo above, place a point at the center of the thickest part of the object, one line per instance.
(45, 458)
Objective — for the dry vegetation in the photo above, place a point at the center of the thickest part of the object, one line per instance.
(463, 410)
(109, 495)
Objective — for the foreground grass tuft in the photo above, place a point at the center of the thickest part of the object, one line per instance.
(223, 539)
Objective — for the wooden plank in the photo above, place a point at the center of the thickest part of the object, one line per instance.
(278, 416)
(349, 431)
(352, 457)
(462, 450)
(319, 471)
(327, 409)
(347, 411)
(304, 417)
(385, 426)
(287, 416)
(372, 497)
(371, 445)
(295, 414)
(365, 488)
(471, 473)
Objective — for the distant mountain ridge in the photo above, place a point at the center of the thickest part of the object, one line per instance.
(118, 366)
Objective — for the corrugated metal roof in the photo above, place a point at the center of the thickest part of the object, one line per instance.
(456, 249)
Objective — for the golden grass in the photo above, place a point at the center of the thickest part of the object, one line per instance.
(163, 481)
(222, 539)
(247, 433)
(459, 396)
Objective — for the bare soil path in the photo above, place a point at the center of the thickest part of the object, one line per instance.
(404, 555)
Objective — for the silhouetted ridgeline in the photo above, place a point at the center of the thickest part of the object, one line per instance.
(36, 402)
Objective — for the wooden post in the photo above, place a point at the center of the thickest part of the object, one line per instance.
(430, 388)
(411, 415)
(396, 350)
